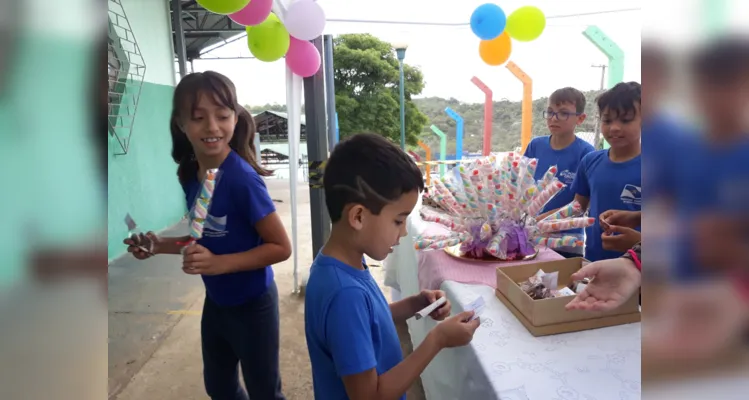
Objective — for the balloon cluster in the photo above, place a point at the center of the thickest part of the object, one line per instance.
(496, 30)
(269, 39)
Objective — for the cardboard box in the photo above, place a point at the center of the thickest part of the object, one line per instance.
(548, 316)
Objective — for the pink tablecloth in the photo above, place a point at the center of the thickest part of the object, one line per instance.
(436, 267)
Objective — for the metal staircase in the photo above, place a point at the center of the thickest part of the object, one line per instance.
(127, 70)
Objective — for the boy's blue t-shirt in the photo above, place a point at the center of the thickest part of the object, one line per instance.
(665, 141)
(240, 201)
(609, 186)
(567, 161)
(348, 325)
(707, 180)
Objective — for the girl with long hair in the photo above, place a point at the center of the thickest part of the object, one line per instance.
(242, 238)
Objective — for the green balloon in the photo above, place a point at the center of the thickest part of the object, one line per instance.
(224, 7)
(526, 24)
(268, 41)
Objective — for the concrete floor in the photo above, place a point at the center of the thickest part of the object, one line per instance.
(154, 320)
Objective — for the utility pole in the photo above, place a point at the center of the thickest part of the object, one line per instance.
(597, 138)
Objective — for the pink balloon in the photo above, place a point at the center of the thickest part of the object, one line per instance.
(254, 13)
(303, 58)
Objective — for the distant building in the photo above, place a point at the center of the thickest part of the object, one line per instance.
(273, 127)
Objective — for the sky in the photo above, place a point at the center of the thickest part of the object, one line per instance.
(448, 56)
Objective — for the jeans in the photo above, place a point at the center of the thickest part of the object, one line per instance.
(247, 334)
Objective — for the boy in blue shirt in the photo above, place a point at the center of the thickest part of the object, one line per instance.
(562, 148)
(371, 186)
(717, 218)
(610, 179)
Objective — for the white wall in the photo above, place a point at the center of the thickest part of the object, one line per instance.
(150, 22)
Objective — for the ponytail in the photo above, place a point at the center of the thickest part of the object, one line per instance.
(243, 141)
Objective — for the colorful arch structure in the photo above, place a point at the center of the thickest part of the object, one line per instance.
(526, 126)
(443, 148)
(488, 114)
(613, 52)
(427, 158)
(458, 132)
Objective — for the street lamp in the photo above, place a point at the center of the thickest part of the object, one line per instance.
(400, 51)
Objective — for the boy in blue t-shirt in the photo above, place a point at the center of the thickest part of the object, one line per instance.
(610, 179)
(709, 183)
(564, 112)
(371, 186)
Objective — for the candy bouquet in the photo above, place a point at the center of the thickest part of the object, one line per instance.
(428, 199)
(491, 205)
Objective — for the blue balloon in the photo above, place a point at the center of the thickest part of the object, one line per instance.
(488, 21)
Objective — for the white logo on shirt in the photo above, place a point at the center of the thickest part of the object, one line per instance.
(631, 195)
(215, 226)
(567, 176)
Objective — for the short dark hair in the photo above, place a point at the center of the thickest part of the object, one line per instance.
(368, 169)
(621, 99)
(569, 95)
(722, 62)
(655, 59)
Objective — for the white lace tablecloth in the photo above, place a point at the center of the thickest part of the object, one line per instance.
(505, 362)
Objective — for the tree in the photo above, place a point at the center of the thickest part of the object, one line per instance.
(367, 92)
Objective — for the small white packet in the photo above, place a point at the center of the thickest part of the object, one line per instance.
(551, 280)
(423, 313)
(564, 292)
(142, 241)
(477, 306)
(537, 278)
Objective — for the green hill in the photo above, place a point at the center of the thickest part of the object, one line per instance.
(505, 132)
(506, 127)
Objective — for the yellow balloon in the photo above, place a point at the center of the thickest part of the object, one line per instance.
(526, 24)
(269, 40)
(223, 7)
(496, 51)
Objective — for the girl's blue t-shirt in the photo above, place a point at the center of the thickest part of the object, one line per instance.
(240, 201)
(609, 186)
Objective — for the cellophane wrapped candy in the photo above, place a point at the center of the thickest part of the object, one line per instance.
(491, 207)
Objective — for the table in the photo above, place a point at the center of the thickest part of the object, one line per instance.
(504, 361)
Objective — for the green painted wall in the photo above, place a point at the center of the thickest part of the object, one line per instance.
(144, 182)
(53, 196)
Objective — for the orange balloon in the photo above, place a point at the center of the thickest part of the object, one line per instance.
(496, 51)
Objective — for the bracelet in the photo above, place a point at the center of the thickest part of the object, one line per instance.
(633, 256)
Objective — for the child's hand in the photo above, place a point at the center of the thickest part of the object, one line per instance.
(142, 245)
(722, 242)
(615, 281)
(427, 297)
(457, 330)
(697, 322)
(628, 219)
(198, 260)
(620, 239)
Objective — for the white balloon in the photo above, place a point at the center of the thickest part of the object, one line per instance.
(305, 20)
